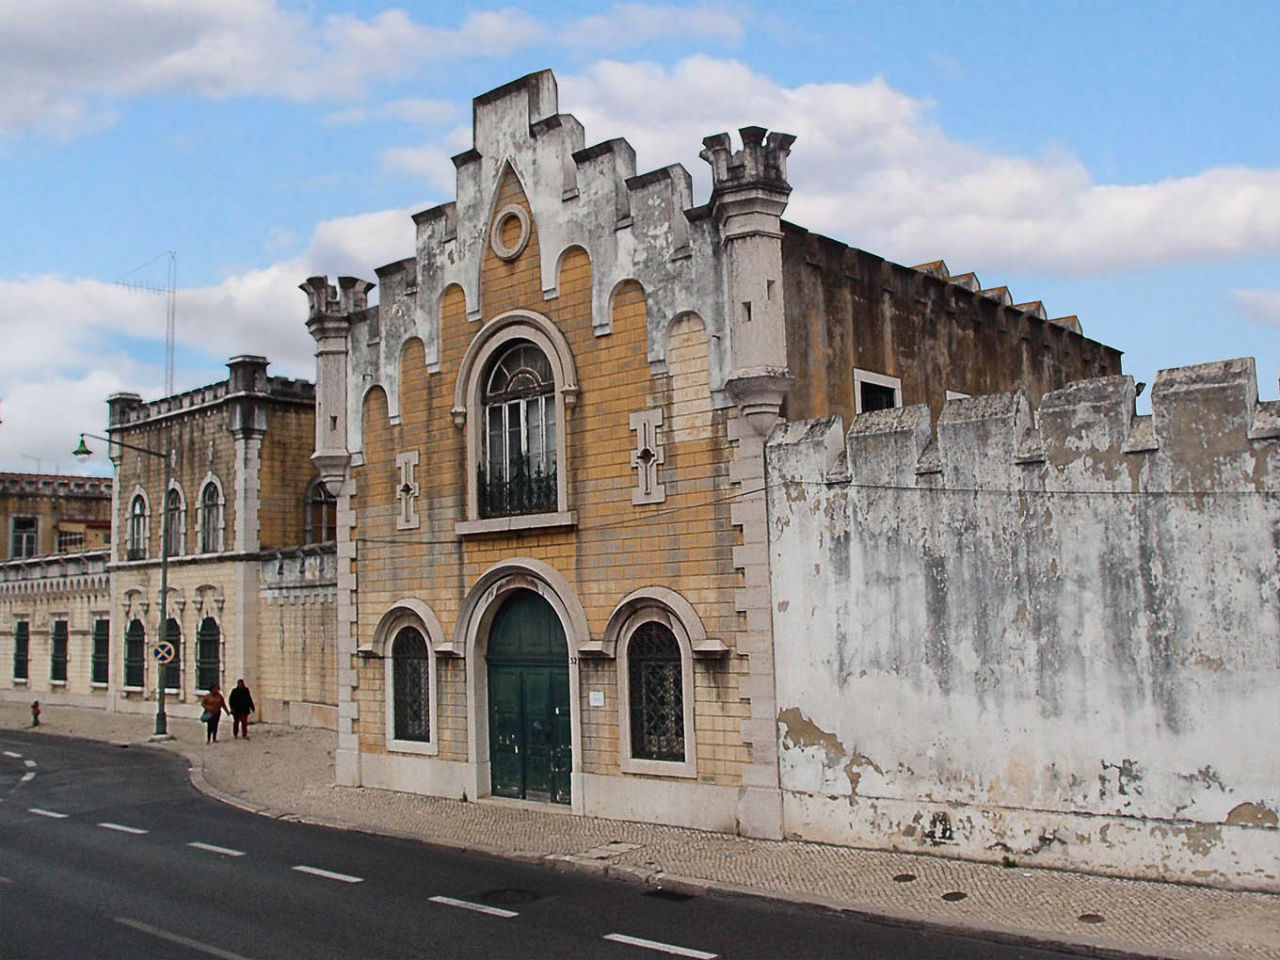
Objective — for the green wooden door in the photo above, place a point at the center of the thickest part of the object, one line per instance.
(530, 754)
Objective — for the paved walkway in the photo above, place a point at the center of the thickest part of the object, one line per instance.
(287, 772)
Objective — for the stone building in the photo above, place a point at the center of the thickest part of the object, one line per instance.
(547, 446)
(246, 596)
(42, 514)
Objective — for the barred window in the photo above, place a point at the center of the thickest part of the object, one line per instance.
(99, 664)
(137, 549)
(58, 652)
(22, 542)
(656, 694)
(135, 643)
(171, 672)
(411, 680)
(208, 651)
(518, 472)
(21, 649)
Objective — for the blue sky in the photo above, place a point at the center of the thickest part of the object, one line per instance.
(1117, 161)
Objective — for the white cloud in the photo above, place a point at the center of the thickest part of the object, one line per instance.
(417, 111)
(63, 337)
(1260, 306)
(871, 167)
(629, 24)
(63, 61)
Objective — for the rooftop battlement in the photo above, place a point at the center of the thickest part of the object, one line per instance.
(55, 485)
(247, 377)
(1207, 433)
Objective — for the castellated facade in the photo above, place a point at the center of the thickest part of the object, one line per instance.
(248, 563)
(547, 442)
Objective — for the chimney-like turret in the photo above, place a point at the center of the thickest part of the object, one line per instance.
(749, 191)
(329, 319)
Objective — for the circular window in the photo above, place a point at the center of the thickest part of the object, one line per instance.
(510, 231)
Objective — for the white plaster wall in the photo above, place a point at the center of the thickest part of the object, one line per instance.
(1064, 640)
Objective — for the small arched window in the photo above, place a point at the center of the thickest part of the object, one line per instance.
(210, 519)
(173, 522)
(321, 514)
(656, 694)
(518, 472)
(137, 529)
(411, 682)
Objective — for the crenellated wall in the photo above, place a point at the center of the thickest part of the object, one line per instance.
(1051, 639)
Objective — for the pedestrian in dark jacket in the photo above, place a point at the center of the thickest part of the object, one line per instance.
(241, 702)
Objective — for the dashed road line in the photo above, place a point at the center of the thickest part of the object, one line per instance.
(11, 754)
(121, 828)
(658, 945)
(213, 848)
(179, 939)
(51, 814)
(477, 907)
(328, 874)
(28, 776)
(28, 763)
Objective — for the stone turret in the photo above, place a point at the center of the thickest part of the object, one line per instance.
(749, 191)
(329, 316)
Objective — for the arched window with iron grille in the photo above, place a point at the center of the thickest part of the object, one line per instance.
(656, 694)
(210, 519)
(321, 514)
(518, 471)
(172, 671)
(411, 682)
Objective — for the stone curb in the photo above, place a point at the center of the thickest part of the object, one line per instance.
(693, 886)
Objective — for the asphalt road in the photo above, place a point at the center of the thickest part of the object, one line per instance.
(109, 852)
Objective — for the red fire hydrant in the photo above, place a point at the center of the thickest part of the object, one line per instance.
(35, 713)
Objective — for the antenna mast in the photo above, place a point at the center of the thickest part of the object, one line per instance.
(170, 292)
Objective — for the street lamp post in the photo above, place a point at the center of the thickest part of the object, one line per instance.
(83, 453)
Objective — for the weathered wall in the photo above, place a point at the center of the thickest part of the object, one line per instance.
(297, 629)
(72, 505)
(1057, 643)
(74, 588)
(848, 308)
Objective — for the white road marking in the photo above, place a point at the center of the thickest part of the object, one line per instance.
(211, 848)
(657, 945)
(52, 814)
(28, 763)
(179, 939)
(329, 874)
(28, 776)
(5, 880)
(477, 907)
(15, 756)
(121, 827)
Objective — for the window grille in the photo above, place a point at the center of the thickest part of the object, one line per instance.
(58, 656)
(411, 680)
(135, 642)
(208, 650)
(656, 694)
(69, 540)
(517, 474)
(100, 662)
(21, 649)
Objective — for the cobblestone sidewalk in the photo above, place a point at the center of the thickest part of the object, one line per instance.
(288, 772)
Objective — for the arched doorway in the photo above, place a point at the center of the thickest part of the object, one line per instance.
(530, 747)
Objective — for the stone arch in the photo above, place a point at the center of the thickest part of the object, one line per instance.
(567, 253)
(471, 635)
(408, 612)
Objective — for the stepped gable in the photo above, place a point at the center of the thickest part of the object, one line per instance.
(638, 227)
(1207, 433)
